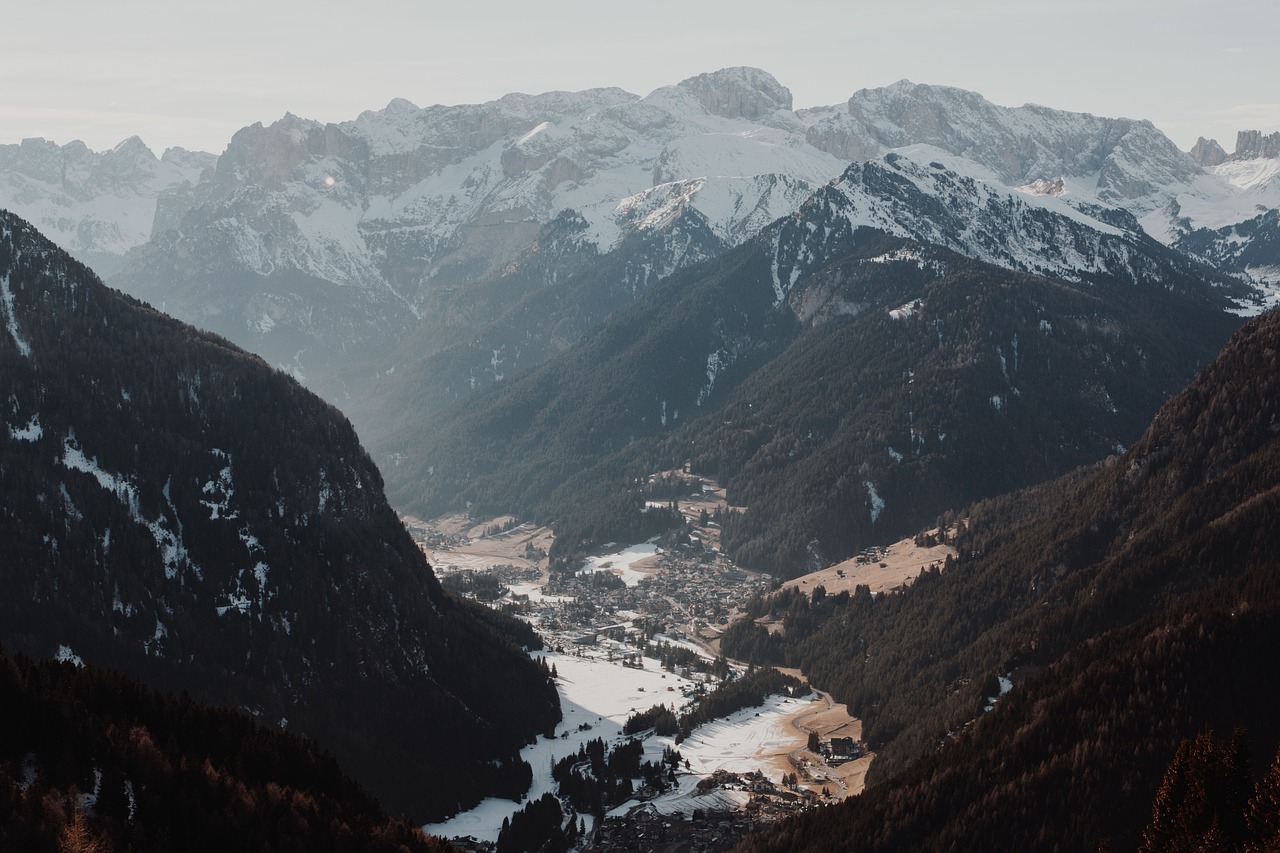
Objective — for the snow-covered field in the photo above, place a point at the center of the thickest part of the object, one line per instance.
(602, 695)
(622, 563)
(751, 739)
(533, 590)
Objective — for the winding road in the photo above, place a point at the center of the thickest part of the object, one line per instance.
(808, 765)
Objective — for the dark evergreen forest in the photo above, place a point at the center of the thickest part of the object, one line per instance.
(1134, 604)
(93, 761)
(173, 508)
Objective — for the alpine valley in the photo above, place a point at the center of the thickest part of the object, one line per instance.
(1019, 333)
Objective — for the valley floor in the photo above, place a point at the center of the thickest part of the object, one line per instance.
(600, 685)
(597, 696)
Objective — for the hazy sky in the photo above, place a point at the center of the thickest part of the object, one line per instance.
(177, 76)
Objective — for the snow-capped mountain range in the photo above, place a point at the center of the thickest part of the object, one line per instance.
(909, 195)
(96, 205)
(319, 245)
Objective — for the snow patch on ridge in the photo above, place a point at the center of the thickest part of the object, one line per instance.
(173, 551)
(218, 491)
(1267, 282)
(717, 362)
(32, 432)
(65, 655)
(877, 502)
(932, 203)
(11, 318)
(902, 312)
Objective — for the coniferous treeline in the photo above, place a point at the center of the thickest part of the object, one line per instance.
(552, 298)
(670, 657)
(1209, 800)
(597, 778)
(89, 757)
(1052, 566)
(749, 691)
(482, 586)
(662, 719)
(800, 614)
(730, 696)
(539, 827)
(619, 516)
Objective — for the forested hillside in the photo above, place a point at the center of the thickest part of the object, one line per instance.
(1133, 604)
(91, 761)
(896, 380)
(174, 508)
(475, 337)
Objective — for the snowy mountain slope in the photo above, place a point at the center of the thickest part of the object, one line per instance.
(1229, 193)
(96, 205)
(1083, 159)
(515, 162)
(561, 298)
(317, 231)
(1232, 223)
(930, 203)
(1129, 162)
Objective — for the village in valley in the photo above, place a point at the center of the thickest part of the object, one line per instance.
(686, 592)
(639, 626)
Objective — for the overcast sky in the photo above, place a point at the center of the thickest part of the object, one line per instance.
(176, 76)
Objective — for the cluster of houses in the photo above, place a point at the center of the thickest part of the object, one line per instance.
(838, 750)
(874, 554)
(692, 593)
(712, 831)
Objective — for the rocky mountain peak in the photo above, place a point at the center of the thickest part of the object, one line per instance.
(1252, 145)
(401, 105)
(924, 112)
(125, 168)
(270, 155)
(182, 157)
(1208, 153)
(1133, 161)
(741, 92)
(133, 146)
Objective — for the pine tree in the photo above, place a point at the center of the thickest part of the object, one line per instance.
(77, 837)
(1263, 814)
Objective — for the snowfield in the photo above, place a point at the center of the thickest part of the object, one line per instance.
(601, 695)
(623, 563)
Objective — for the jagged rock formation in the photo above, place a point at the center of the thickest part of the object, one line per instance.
(1252, 145)
(332, 241)
(1208, 153)
(412, 257)
(1233, 226)
(739, 93)
(1037, 233)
